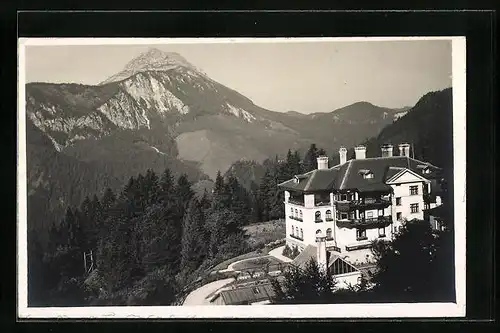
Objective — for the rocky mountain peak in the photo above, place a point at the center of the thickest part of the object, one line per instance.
(152, 60)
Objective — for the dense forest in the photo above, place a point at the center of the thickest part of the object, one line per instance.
(153, 237)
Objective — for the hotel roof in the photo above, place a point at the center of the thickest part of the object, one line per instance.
(350, 175)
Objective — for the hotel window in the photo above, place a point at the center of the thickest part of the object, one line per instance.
(296, 213)
(381, 232)
(369, 215)
(317, 216)
(343, 197)
(328, 215)
(343, 216)
(291, 212)
(380, 212)
(414, 190)
(360, 234)
(301, 234)
(318, 232)
(398, 216)
(329, 233)
(300, 212)
(398, 201)
(414, 208)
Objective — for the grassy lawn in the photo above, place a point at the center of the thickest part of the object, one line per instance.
(266, 232)
(258, 263)
(224, 264)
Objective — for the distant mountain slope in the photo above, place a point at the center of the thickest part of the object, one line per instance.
(428, 127)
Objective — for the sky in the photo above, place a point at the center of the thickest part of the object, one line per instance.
(306, 77)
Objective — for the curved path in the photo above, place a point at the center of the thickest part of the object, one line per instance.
(199, 296)
(277, 253)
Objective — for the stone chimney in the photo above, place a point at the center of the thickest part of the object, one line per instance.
(321, 255)
(386, 150)
(322, 162)
(404, 149)
(360, 152)
(343, 155)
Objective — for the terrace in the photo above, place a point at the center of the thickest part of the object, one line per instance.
(376, 222)
(363, 203)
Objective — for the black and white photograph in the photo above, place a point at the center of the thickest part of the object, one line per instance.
(192, 178)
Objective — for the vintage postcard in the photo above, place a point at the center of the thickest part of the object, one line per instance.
(241, 178)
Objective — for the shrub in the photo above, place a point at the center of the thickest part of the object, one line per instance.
(287, 252)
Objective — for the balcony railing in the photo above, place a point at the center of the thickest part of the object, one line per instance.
(322, 203)
(318, 221)
(358, 247)
(296, 201)
(295, 218)
(329, 219)
(345, 206)
(296, 237)
(381, 221)
(333, 248)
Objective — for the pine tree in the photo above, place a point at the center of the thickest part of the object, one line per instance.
(238, 200)
(227, 238)
(166, 185)
(183, 194)
(108, 199)
(152, 187)
(194, 238)
(310, 162)
(221, 197)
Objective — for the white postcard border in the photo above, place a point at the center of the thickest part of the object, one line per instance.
(387, 310)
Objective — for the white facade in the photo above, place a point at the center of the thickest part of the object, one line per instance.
(406, 202)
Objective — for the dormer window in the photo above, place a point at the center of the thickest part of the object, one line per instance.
(367, 174)
(425, 168)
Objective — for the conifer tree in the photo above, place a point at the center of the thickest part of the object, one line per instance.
(166, 185)
(194, 237)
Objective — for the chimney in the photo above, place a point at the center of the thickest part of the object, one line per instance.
(321, 256)
(360, 152)
(322, 162)
(386, 150)
(404, 149)
(343, 155)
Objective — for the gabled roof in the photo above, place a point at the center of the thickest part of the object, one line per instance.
(249, 294)
(310, 252)
(350, 175)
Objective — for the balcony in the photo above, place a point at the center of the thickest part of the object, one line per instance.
(333, 248)
(295, 218)
(295, 201)
(322, 203)
(346, 206)
(358, 246)
(367, 223)
(318, 221)
(296, 237)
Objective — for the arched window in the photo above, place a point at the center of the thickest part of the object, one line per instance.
(291, 212)
(328, 215)
(296, 213)
(318, 232)
(317, 216)
(300, 214)
(329, 233)
(301, 233)
(293, 230)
